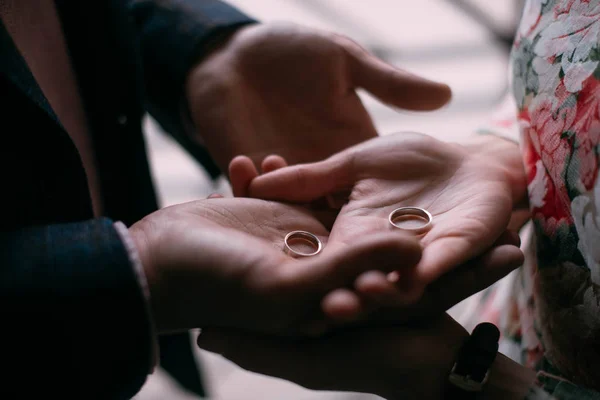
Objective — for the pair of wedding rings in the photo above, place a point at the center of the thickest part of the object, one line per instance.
(414, 220)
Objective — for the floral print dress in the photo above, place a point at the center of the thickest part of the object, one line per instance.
(549, 310)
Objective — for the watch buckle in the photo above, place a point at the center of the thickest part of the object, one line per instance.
(465, 382)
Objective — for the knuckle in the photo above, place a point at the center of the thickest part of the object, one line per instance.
(302, 177)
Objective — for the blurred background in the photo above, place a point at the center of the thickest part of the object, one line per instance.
(464, 43)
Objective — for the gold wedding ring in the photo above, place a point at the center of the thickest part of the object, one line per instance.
(415, 220)
(296, 239)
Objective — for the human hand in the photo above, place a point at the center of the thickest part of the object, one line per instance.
(508, 153)
(397, 362)
(219, 263)
(470, 196)
(381, 356)
(404, 352)
(288, 90)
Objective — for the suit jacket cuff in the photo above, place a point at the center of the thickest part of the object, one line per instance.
(74, 285)
(173, 36)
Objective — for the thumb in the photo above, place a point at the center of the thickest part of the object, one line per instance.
(474, 276)
(457, 285)
(391, 85)
(341, 265)
(305, 182)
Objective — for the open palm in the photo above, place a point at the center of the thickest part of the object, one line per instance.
(468, 196)
(230, 251)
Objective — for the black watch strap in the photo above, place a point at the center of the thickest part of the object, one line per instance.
(471, 369)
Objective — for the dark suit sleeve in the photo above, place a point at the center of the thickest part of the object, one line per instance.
(173, 35)
(74, 320)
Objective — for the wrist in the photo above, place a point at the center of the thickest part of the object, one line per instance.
(481, 372)
(211, 86)
(508, 380)
(430, 377)
(506, 155)
(209, 68)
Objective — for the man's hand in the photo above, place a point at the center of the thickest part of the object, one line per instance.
(402, 362)
(219, 263)
(287, 90)
(470, 196)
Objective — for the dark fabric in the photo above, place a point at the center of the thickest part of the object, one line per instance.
(95, 337)
(42, 177)
(169, 50)
(74, 322)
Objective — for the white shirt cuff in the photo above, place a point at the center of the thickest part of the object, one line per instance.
(138, 268)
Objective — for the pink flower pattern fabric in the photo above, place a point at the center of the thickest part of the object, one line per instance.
(551, 307)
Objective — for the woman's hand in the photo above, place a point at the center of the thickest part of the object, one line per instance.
(470, 196)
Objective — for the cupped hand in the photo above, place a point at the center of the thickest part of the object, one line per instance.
(402, 353)
(219, 263)
(470, 197)
(289, 90)
(401, 362)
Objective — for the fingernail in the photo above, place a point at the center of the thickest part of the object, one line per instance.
(393, 276)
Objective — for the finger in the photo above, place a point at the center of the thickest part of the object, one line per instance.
(457, 285)
(475, 276)
(380, 290)
(443, 255)
(508, 237)
(272, 163)
(340, 266)
(306, 182)
(392, 85)
(377, 288)
(342, 305)
(215, 196)
(518, 219)
(241, 172)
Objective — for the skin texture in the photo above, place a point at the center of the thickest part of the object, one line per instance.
(284, 89)
(470, 196)
(400, 362)
(219, 262)
(398, 352)
(410, 362)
